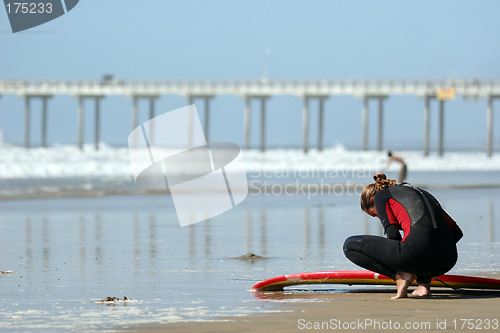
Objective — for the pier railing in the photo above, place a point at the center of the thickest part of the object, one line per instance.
(469, 88)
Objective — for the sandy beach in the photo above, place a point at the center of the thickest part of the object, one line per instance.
(359, 311)
(66, 253)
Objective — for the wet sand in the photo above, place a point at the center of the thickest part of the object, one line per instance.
(67, 253)
(359, 311)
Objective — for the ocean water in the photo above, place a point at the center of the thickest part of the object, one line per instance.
(65, 170)
(74, 229)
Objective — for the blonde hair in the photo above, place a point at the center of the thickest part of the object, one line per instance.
(381, 183)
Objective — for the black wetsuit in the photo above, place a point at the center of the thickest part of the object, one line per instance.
(428, 248)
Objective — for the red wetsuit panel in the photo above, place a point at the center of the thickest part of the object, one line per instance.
(449, 220)
(399, 216)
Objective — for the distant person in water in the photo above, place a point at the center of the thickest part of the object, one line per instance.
(402, 171)
(428, 246)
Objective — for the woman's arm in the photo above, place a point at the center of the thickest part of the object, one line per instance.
(392, 232)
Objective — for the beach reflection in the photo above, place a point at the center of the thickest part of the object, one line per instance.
(491, 223)
(305, 232)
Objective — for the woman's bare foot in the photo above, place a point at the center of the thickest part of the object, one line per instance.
(403, 280)
(423, 290)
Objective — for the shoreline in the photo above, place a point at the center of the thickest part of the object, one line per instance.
(356, 311)
(296, 190)
(359, 310)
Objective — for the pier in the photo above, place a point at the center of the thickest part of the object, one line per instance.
(261, 90)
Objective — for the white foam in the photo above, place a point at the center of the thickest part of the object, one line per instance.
(62, 161)
(339, 158)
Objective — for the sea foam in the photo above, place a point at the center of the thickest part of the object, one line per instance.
(61, 161)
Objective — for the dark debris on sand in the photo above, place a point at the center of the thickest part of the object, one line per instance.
(112, 299)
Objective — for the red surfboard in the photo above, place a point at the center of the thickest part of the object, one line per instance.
(368, 278)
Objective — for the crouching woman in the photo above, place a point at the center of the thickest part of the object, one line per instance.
(428, 246)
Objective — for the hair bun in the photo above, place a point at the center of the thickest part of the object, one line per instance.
(381, 181)
(379, 177)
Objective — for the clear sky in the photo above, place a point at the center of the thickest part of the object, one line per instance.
(158, 39)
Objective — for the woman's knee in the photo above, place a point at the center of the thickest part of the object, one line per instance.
(352, 243)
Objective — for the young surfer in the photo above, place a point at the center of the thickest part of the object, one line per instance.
(404, 169)
(428, 247)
